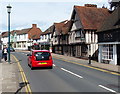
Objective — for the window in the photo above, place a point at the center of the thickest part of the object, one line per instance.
(107, 52)
(24, 44)
(45, 36)
(91, 36)
(41, 37)
(19, 45)
(24, 36)
(42, 55)
(63, 37)
(78, 34)
(49, 36)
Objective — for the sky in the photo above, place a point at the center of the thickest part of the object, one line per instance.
(44, 13)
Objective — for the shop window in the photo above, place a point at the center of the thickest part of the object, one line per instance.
(107, 52)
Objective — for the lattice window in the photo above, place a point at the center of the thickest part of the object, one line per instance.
(107, 52)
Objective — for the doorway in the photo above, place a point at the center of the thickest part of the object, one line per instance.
(118, 54)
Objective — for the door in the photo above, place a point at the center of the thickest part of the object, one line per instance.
(118, 54)
(84, 50)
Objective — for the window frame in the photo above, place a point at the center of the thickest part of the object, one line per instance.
(107, 52)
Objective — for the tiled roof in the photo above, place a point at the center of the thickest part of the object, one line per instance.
(58, 26)
(36, 35)
(23, 31)
(91, 17)
(4, 34)
(18, 32)
(65, 27)
(112, 22)
(48, 31)
(33, 33)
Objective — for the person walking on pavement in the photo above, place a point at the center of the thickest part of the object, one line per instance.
(4, 53)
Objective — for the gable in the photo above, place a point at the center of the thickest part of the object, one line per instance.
(34, 33)
(112, 22)
(88, 17)
(76, 23)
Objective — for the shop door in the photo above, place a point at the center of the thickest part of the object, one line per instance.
(118, 54)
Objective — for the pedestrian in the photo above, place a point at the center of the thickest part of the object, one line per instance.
(4, 53)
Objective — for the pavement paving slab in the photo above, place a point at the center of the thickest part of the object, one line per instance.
(9, 79)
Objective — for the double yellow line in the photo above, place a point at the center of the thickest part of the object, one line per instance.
(115, 73)
(24, 79)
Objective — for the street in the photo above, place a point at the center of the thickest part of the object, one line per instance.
(67, 77)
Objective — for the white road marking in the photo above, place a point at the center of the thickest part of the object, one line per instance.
(54, 65)
(106, 88)
(71, 73)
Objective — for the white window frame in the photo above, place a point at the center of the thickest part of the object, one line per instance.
(107, 52)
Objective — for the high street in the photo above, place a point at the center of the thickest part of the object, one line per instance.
(67, 77)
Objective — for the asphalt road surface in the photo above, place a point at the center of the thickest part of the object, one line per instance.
(67, 77)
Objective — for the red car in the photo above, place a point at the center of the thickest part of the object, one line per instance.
(40, 58)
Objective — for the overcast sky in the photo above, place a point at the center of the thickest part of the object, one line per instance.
(44, 13)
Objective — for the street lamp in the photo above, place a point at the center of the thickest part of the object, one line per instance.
(9, 11)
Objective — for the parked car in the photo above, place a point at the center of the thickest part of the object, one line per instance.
(40, 58)
(12, 50)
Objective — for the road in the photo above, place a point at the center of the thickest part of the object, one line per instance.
(67, 77)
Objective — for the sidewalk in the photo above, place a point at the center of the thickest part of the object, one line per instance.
(110, 67)
(9, 79)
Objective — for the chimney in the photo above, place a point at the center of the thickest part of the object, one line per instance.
(91, 5)
(34, 25)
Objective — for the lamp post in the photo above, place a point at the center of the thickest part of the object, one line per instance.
(9, 11)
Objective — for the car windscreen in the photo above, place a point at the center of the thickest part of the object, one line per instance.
(42, 56)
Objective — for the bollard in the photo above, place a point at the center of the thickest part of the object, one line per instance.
(89, 59)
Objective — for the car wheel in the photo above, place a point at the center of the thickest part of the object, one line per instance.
(32, 68)
(29, 65)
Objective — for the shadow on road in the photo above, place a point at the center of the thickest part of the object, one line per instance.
(42, 68)
(21, 85)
